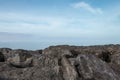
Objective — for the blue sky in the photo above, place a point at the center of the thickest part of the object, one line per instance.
(35, 24)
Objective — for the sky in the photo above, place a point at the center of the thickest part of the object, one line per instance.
(37, 24)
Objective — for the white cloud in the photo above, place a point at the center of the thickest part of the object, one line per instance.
(59, 26)
(88, 7)
(22, 23)
(32, 19)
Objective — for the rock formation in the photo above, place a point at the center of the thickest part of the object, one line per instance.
(61, 63)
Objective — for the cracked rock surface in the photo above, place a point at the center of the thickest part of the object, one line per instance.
(61, 63)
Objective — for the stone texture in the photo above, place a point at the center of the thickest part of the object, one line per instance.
(61, 63)
(20, 59)
(91, 67)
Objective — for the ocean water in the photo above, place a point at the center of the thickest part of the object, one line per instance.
(33, 43)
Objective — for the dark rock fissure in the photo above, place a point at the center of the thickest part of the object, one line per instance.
(77, 69)
(105, 56)
(60, 71)
(2, 58)
(74, 53)
(59, 62)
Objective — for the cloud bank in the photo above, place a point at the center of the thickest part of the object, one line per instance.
(89, 8)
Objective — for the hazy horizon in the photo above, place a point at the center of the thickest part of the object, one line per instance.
(36, 24)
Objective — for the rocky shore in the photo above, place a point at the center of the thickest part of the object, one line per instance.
(63, 62)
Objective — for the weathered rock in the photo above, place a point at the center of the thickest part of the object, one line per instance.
(115, 59)
(61, 63)
(6, 52)
(69, 70)
(92, 68)
(20, 59)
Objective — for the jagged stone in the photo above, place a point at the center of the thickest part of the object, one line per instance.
(6, 52)
(92, 68)
(20, 59)
(69, 71)
(115, 59)
(61, 63)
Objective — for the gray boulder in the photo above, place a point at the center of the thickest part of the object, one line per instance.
(93, 68)
(20, 59)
